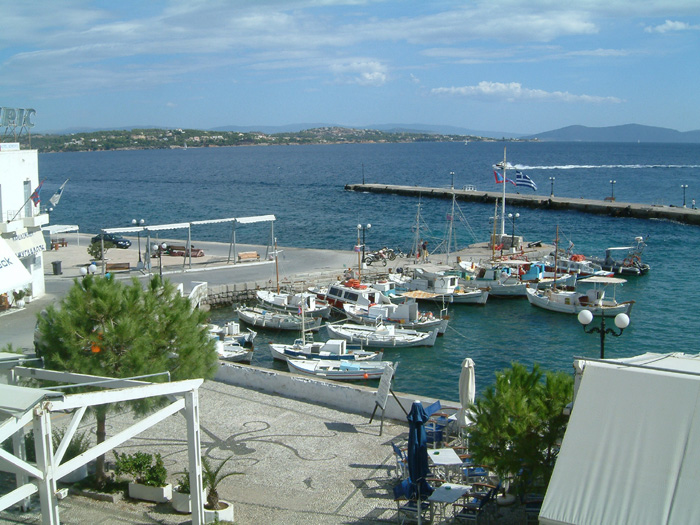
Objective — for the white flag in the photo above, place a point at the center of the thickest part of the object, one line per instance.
(57, 196)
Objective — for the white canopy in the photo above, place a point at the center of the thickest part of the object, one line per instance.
(631, 453)
(55, 229)
(13, 274)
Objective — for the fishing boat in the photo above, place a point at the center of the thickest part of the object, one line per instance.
(332, 350)
(232, 351)
(381, 335)
(508, 278)
(438, 287)
(406, 315)
(572, 302)
(232, 331)
(294, 303)
(338, 370)
(630, 264)
(275, 320)
(354, 292)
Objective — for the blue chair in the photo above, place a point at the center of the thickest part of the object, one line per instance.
(475, 502)
(401, 462)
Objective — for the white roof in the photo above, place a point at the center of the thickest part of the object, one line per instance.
(631, 452)
(600, 279)
(54, 229)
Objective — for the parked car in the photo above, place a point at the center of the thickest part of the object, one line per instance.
(119, 242)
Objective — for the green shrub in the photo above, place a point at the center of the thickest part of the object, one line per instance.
(79, 444)
(141, 468)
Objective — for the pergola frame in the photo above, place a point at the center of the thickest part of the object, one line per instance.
(188, 226)
(183, 396)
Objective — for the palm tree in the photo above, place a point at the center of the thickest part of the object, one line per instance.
(211, 477)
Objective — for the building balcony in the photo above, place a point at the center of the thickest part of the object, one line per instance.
(37, 221)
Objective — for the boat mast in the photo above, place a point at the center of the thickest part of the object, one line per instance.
(556, 258)
(277, 268)
(416, 240)
(451, 229)
(503, 206)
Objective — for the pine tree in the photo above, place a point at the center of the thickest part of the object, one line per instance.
(103, 327)
(519, 423)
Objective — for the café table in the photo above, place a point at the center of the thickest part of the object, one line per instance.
(445, 460)
(445, 495)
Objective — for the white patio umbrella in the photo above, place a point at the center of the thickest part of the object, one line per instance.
(467, 390)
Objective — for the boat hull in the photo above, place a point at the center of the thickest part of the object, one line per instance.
(570, 303)
(340, 370)
(383, 336)
(277, 320)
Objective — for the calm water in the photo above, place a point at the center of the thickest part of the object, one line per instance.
(303, 187)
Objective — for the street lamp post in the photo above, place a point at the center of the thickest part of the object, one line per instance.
(90, 269)
(684, 187)
(551, 180)
(362, 228)
(161, 248)
(453, 179)
(585, 317)
(512, 217)
(140, 222)
(612, 189)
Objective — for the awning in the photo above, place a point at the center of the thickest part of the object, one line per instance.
(13, 274)
(55, 229)
(26, 244)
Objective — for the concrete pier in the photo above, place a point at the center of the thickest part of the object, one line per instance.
(612, 208)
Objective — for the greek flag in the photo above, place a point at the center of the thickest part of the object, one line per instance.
(523, 180)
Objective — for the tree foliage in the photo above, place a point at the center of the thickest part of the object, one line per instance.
(519, 423)
(106, 328)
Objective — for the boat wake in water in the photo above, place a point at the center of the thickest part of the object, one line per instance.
(608, 166)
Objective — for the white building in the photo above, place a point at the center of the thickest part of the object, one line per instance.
(22, 243)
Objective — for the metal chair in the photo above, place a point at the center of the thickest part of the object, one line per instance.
(401, 462)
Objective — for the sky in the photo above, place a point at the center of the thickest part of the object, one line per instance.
(489, 65)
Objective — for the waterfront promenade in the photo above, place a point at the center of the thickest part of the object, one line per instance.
(612, 208)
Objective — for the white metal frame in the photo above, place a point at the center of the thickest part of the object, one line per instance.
(42, 477)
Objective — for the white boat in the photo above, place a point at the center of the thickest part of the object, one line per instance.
(231, 351)
(232, 331)
(354, 292)
(630, 264)
(331, 350)
(294, 303)
(275, 320)
(439, 287)
(572, 302)
(405, 314)
(382, 335)
(339, 370)
(511, 278)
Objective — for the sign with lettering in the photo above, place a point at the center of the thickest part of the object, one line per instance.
(16, 120)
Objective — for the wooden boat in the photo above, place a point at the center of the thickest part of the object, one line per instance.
(405, 314)
(382, 335)
(354, 292)
(232, 331)
(332, 350)
(234, 352)
(294, 303)
(511, 277)
(338, 370)
(572, 302)
(275, 320)
(439, 287)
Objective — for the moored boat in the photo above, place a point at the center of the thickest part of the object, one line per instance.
(338, 370)
(232, 351)
(630, 264)
(382, 335)
(294, 303)
(354, 292)
(333, 349)
(572, 302)
(406, 315)
(275, 320)
(232, 331)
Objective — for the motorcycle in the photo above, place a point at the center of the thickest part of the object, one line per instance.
(373, 257)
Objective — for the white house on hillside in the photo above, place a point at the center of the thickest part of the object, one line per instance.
(22, 243)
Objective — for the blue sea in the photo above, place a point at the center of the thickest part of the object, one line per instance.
(303, 186)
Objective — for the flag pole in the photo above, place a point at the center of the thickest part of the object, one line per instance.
(38, 189)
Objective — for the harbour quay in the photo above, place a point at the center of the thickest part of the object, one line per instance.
(598, 207)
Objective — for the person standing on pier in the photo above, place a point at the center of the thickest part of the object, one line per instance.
(425, 251)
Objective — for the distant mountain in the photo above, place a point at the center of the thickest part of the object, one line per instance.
(624, 133)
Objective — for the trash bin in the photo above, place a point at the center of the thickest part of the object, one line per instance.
(56, 267)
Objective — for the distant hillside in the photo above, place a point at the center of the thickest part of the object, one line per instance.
(625, 133)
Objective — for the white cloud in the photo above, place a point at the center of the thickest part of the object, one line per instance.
(515, 91)
(364, 73)
(671, 26)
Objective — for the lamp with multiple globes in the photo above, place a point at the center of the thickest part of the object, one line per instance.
(585, 317)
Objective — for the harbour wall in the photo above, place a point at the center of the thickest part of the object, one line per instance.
(338, 395)
(611, 208)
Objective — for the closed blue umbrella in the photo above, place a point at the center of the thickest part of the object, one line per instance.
(417, 454)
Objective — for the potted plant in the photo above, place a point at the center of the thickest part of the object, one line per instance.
(78, 444)
(182, 501)
(149, 477)
(216, 509)
(19, 296)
